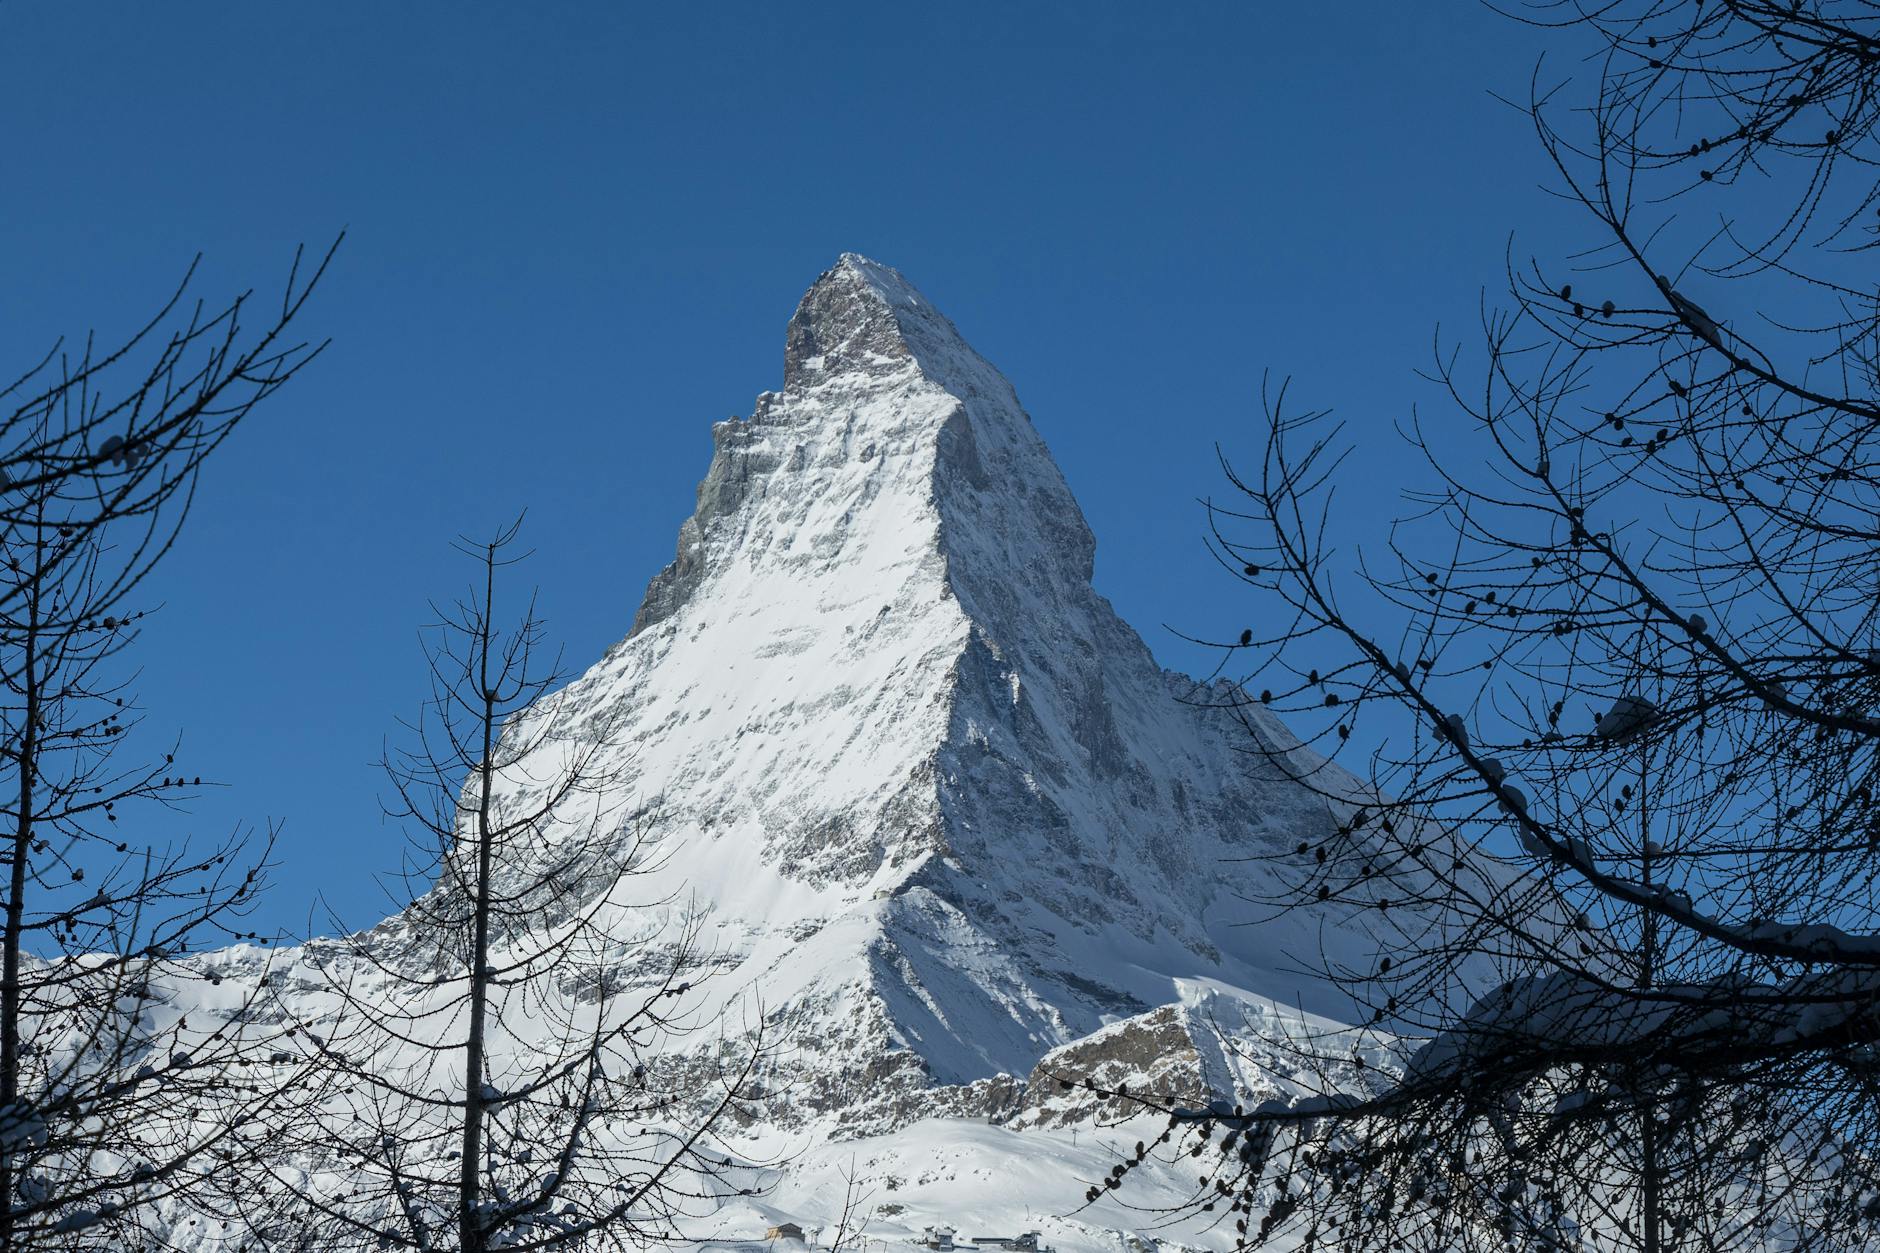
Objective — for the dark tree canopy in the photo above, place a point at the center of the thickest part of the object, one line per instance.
(103, 1086)
(1621, 660)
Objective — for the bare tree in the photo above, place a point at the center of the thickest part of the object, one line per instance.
(1622, 665)
(502, 1070)
(101, 1083)
(850, 1230)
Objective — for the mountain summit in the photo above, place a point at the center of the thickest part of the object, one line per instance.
(938, 798)
(950, 832)
(881, 392)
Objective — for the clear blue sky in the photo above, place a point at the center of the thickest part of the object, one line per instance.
(576, 232)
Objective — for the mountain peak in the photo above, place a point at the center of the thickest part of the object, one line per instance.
(920, 766)
(887, 281)
(942, 815)
(862, 317)
(892, 436)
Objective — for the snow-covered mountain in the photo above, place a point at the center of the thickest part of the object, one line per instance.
(945, 815)
(933, 789)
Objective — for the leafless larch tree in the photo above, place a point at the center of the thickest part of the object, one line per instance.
(103, 1086)
(1617, 677)
(502, 1068)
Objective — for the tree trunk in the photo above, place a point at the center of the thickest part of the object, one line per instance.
(16, 903)
(472, 1228)
(1648, 957)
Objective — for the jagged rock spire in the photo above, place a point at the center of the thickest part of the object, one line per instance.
(855, 320)
(882, 395)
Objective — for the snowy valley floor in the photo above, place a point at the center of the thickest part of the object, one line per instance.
(981, 1180)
